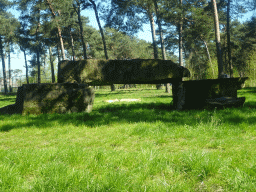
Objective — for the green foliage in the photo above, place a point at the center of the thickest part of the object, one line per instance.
(122, 46)
(124, 19)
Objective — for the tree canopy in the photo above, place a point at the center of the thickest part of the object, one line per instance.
(52, 30)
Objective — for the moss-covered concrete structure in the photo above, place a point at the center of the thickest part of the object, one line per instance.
(72, 94)
(198, 94)
(51, 98)
(106, 72)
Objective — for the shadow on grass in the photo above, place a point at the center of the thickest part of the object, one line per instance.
(133, 113)
(130, 113)
(121, 92)
(7, 99)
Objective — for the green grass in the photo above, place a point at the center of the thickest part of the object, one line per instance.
(138, 146)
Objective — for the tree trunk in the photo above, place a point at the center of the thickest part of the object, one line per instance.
(59, 30)
(58, 53)
(52, 66)
(228, 39)
(158, 20)
(217, 36)
(153, 31)
(26, 65)
(113, 87)
(9, 67)
(61, 45)
(78, 11)
(209, 58)
(180, 39)
(38, 62)
(102, 35)
(38, 49)
(101, 30)
(72, 44)
(44, 57)
(3, 66)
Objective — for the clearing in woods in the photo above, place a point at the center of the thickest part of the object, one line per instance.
(130, 146)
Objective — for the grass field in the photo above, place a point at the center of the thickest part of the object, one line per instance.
(137, 146)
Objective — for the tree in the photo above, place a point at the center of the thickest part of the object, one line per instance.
(101, 30)
(77, 8)
(52, 66)
(228, 40)
(55, 15)
(180, 25)
(7, 31)
(122, 13)
(217, 38)
(102, 34)
(158, 20)
(3, 65)
(23, 42)
(160, 30)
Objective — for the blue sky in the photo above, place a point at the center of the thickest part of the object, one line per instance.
(17, 59)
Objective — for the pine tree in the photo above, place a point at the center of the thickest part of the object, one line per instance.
(217, 37)
(77, 8)
(3, 65)
(7, 30)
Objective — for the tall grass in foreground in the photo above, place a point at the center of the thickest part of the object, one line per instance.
(138, 146)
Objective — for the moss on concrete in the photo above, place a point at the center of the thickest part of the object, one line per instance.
(100, 72)
(52, 98)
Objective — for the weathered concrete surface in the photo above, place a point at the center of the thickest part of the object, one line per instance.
(196, 94)
(106, 72)
(51, 98)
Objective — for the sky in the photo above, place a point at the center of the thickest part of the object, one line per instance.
(17, 58)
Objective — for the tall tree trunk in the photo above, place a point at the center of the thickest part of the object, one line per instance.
(26, 65)
(52, 66)
(44, 57)
(180, 38)
(58, 53)
(153, 31)
(38, 49)
(61, 45)
(72, 44)
(228, 38)
(38, 62)
(59, 30)
(9, 67)
(158, 20)
(78, 11)
(101, 30)
(102, 36)
(3, 65)
(209, 57)
(217, 36)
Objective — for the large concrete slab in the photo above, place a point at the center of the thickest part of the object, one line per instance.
(105, 72)
(51, 98)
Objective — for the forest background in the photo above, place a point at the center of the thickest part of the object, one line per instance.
(48, 31)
